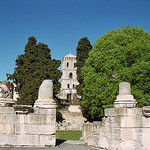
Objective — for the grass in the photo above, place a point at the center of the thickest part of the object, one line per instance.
(68, 135)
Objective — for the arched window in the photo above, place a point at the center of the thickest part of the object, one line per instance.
(67, 64)
(70, 75)
(74, 65)
(68, 86)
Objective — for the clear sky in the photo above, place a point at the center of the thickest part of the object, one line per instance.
(62, 23)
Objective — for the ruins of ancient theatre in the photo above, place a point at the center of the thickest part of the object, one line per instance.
(24, 125)
(124, 127)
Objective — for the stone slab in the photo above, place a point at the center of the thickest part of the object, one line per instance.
(47, 140)
(7, 110)
(8, 118)
(27, 140)
(42, 129)
(7, 139)
(7, 128)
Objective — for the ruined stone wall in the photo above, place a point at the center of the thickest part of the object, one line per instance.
(24, 125)
(33, 129)
(90, 132)
(73, 119)
(124, 127)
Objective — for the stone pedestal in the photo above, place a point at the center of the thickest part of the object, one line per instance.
(5, 102)
(125, 99)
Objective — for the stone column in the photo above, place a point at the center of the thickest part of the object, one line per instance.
(125, 99)
(45, 95)
(43, 121)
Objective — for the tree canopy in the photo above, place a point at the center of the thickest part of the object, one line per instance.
(119, 55)
(32, 68)
(82, 52)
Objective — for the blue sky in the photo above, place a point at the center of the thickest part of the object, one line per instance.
(62, 23)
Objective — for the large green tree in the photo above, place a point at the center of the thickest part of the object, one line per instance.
(82, 52)
(119, 55)
(32, 68)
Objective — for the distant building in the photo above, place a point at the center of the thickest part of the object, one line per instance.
(68, 78)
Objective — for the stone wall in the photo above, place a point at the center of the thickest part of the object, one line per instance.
(73, 119)
(23, 125)
(123, 127)
(90, 133)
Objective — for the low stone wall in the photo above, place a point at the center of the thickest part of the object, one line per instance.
(124, 127)
(73, 119)
(24, 125)
(34, 129)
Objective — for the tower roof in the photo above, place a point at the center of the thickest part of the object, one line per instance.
(69, 55)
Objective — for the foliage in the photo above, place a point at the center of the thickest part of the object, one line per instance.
(82, 51)
(59, 116)
(32, 68)
(119, 55)
(68, 135)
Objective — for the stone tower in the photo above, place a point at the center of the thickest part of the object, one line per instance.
(68, 78)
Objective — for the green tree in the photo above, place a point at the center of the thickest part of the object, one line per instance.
(32, 68)
(82, 51)
(119, 55)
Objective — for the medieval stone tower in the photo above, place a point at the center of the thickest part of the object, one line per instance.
(68, 78)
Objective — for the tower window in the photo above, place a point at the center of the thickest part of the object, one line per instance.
(73, 86)
(70, 75)
(74, 65)
(67, 64)
(68, 86)
(68, 96)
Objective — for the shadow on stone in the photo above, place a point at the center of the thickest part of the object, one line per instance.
(59, 141)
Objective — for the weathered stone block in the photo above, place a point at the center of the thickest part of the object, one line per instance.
(22, 118)
(47, 140)
(7, 128)
(7, 110)
(7, 139)
(22, 128)
(41, 119)
(36, 119)
(8, 118)
(42, 129)
(27, 140)
(44, 111)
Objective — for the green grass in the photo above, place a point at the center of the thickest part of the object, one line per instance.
(68, 135)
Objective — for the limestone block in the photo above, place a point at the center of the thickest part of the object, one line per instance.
(27, 140)
(35, 119)
(42, 129)
(23, 109)
(7, 139)
(146, 138)
(6, 102)
(8, 118)
(22, 128)
(7, 110)
(44, 111)
(47, 140)
(146, 122)
(7, 128)
(22, 118)
(93, 140)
